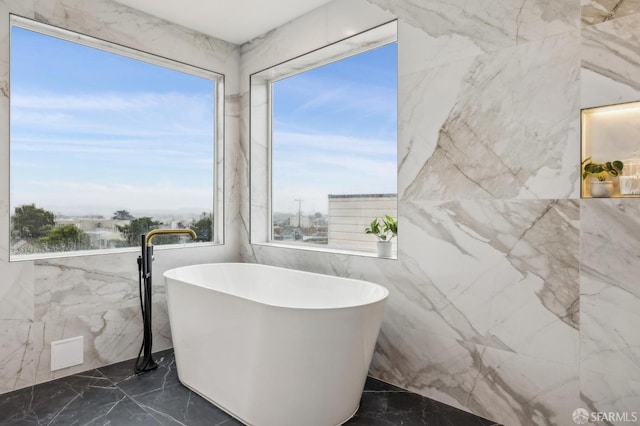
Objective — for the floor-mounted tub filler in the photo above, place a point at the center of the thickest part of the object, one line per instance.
(145, 361)
(274, 346)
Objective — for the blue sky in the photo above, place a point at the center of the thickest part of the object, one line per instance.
(335, 131)
(95, 132)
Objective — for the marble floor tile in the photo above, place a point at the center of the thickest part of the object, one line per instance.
(114, 395)
(385, 405)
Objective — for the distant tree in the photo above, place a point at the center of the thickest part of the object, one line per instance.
(65, 238)
(137, 227)
(204, 228)
(122, 215)
(30, 222)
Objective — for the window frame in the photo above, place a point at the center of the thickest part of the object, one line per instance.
(261, 129)
(218, 80)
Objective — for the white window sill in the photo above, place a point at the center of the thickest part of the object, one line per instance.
(325, 249)
(64, 254)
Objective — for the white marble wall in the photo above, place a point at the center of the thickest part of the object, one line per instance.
(610, 61)
(96, 296)
(484, 311)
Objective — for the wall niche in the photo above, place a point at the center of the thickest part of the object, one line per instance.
(611, 133)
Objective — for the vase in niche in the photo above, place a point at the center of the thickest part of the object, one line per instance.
(601, 189)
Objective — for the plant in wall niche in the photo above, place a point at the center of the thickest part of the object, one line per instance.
(384, 231)
(601, 170)
(602, 187)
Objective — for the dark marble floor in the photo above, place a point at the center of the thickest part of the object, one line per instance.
(112, 395)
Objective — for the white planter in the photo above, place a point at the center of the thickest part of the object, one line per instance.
(601, 189)
(384, 248)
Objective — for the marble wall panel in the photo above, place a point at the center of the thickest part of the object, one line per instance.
(598, 11)
(68, 287)
(467, 27)
(499, 385)
(109, 337)
(520, 281)
(610, 296)
(17, 367)
(610, 71)
(611, 394)
(17, 291)
(509, 129)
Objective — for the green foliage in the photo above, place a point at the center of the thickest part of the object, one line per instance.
(204, 228)
(30, 223)
(159, 240)
(122, 215)
(601, 170)
(137, 227)
(65, 238)
(385, 230)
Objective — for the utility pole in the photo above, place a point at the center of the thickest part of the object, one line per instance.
(299, 209)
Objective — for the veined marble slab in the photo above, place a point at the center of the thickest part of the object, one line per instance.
(68, 287)
(611, 394)
(598, 11)
(611, 62)
(499, 273)
(508, 388)
(17, 367)
(466, 27)
(109, 337)
(610, 296)
(16, 290)
(501, 125)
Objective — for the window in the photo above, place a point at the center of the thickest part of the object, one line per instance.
(108, 143)
(331, 141)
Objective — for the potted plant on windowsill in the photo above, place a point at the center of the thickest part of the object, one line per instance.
(384, 231)
(602, 187)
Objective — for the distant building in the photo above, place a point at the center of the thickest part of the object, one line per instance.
(300, 221)
(104, 233)
(350, 215)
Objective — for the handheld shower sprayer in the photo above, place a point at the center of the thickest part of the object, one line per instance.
(145, 361)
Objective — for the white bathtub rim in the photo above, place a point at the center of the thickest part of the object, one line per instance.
(382, 293)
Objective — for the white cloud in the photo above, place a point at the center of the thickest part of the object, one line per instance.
(334, 94)
(103, 102)
(310, 167)
(133, 114)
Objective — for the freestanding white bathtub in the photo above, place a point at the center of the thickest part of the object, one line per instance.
(274, 346)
